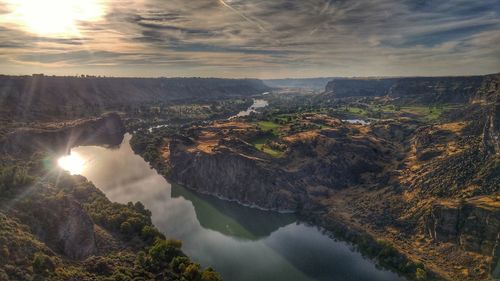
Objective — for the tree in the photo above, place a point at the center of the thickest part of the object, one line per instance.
(126, 227)
(163, 251)
(150, 233)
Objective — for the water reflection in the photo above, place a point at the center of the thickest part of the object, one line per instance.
(232, 219)
(241, 243)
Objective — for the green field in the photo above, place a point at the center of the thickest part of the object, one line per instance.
(260, 143)
(268, 126)
(357, 110)
(426, 113)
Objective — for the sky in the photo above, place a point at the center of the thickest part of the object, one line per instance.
(250, 38)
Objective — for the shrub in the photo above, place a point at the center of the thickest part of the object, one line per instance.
(179, 263)
(420, 274)
(150, 233)
(163, 251)
(210, 275)
(192, 272)
(42, 264)
(126, 228)
(13, 176)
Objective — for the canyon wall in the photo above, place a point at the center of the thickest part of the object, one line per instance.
(410, 89)
(107, 129)
(39, 96)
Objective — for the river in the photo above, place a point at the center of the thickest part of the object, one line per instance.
(257, 103)
(241, 243)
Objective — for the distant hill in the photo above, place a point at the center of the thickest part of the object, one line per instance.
(454, 89)
(307, 83)
(49, 94)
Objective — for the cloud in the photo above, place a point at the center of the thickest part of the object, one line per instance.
(261, 38)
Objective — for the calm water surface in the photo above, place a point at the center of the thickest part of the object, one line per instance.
(239, 242)
(257, 103)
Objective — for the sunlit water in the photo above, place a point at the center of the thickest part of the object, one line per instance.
(357, 121)
(239, 242)
(257, 103)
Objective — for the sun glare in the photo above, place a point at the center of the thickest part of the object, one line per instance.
(53, 17)
(73, 163)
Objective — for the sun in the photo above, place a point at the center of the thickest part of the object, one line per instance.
(73, 163)
(53, 17)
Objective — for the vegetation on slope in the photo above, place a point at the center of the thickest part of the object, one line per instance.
(105, 240)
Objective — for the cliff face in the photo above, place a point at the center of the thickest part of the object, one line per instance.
(473, 225)
(76, 233)
(107, 129)
(63, 224)
(491, 131)
(233, 175)
(343, 88)
(23, 96)
(495, 262)
(417, 90)
(489, 90)
(211, 161)
(306, 83)
(387, 173)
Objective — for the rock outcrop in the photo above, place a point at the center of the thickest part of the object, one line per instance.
(222, 162)
(107, 129)
(234, 176)
(491, 130)
(61, 223)
(474, 225)
(75, 231)
(495, 261)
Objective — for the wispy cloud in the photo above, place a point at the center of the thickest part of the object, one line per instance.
(261, 38)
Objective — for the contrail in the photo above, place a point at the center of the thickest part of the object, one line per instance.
(242, 15)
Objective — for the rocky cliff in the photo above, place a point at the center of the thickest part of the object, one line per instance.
(495, 261)
(107, 129)
(306, 83)
(28, 97)
(409, 182)
(234, 175)
(63, 224)
(491, 130)
(473, 224)
(218, 160)
(415, 89)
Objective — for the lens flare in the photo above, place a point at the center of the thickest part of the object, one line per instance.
(73, 163)
(53, 17)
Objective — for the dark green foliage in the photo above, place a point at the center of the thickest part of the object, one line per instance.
(150, 233)
(179, 264)
(163, 251)
(24, 256)
(421, 274)
(192, 272)
(210, 275)
(13, 176)
(148, 145)
(43, 264)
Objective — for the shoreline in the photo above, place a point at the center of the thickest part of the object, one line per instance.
(363, 240)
